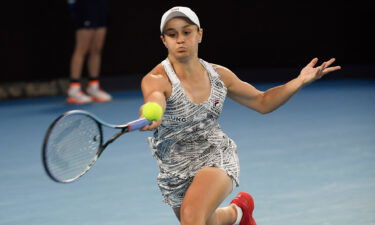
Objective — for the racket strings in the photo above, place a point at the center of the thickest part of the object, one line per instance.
(72, 146)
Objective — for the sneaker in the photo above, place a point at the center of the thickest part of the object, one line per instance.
(76, 96)
(97, 94)
(246, 203)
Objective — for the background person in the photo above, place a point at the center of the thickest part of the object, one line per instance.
(90, 18)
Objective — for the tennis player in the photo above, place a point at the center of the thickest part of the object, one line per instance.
(198, 162)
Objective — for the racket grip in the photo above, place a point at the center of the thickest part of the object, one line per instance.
(138, 124)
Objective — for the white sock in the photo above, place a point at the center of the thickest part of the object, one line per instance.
(239, 215)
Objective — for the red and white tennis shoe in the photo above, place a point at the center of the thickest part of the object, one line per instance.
(246, 202)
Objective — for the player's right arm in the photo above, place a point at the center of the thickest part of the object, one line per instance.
(155, 88)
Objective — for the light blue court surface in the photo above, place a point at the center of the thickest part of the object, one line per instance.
(311, 162)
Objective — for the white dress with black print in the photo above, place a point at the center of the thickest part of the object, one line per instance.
(190, 138)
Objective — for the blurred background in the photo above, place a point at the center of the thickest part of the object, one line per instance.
(259, 40)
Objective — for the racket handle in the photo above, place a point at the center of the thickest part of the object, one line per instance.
(138, 124)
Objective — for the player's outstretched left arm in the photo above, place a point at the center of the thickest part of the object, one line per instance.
(268, 101)
(310, 73)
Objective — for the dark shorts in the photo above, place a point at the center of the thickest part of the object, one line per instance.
(89, 13)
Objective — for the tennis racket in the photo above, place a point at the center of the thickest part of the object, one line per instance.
(74, 141)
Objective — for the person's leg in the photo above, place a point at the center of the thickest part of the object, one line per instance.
(94, 64)
(82, 45)
(94, 60)
(209, 188)
(225, 212)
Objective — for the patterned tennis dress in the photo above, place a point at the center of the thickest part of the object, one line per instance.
(190, 138)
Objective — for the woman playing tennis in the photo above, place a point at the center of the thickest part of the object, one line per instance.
(198, 162)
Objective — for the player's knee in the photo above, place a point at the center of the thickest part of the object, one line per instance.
(191, 216)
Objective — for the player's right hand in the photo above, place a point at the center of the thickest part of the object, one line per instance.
(152, 126)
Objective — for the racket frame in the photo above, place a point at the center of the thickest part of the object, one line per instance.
(124, 128)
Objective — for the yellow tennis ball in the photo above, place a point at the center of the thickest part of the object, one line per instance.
(152, 111)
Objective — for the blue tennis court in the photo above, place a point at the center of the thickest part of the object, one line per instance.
(311, 162)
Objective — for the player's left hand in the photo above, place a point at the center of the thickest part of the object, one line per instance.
(310, 73)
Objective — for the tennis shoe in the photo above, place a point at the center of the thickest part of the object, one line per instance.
(246, 202)
(97, 94)
(76, 96)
